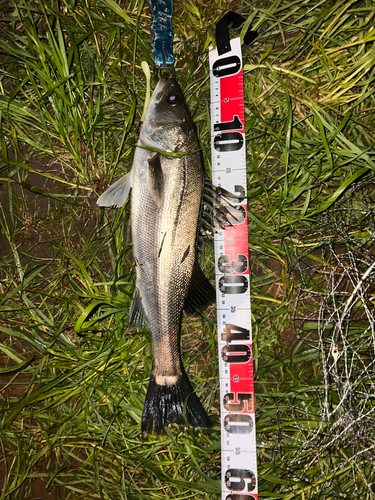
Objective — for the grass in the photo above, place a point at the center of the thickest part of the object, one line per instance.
(73, 381)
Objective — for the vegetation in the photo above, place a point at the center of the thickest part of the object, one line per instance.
(73, 381)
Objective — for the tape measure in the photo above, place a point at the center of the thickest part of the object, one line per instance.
(238, 439)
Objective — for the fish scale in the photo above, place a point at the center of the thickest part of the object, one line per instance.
(159, 252)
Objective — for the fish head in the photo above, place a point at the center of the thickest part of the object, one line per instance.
(167, 125)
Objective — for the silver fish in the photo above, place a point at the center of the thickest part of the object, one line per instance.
(167, 181)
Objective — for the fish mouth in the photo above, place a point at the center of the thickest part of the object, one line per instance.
(166, 76)
(160, 85)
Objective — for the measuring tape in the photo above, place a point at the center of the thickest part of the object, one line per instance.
(238, 440)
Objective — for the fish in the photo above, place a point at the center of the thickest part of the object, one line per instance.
(166, 187)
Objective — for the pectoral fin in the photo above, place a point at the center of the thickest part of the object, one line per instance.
(155, 178)
(117, 194)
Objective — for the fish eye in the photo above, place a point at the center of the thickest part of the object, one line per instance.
(173, 99)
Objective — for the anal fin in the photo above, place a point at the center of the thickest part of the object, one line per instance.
(137, 317)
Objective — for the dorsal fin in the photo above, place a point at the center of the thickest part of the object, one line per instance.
(216, 211)
(201, 292)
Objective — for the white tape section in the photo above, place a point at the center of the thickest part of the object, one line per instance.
(238, 443)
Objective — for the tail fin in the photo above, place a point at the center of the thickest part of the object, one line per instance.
(172, 404)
